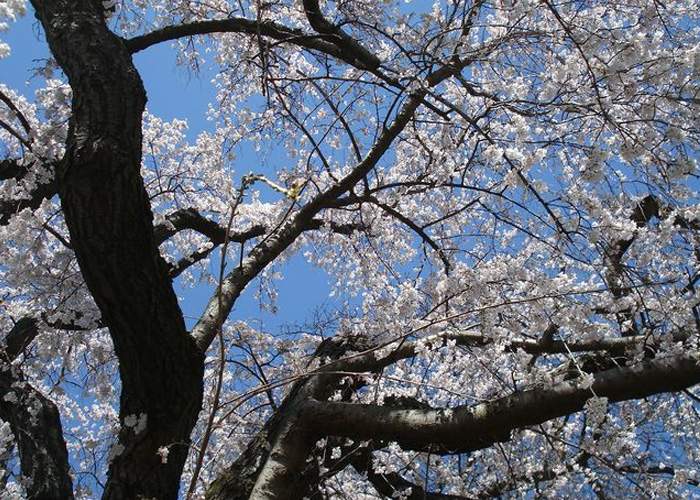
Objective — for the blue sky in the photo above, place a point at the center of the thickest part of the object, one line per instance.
(175, 92)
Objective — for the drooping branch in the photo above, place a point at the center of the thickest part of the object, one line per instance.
(465, 428)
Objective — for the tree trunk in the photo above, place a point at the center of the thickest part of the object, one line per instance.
(110, 222)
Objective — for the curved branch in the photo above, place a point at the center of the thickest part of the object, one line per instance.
(189, 218)
(464, 429)
(349, 47)
(236, 25)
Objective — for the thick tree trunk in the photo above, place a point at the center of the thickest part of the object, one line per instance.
(110, 223)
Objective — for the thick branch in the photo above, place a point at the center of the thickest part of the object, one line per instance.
(349, 47)
(35, 423)
(272, 246)
(238, 25)
(465, 428)
(11, 169)
(191, 219)
(273, 465)
(20, 336)
(366, 358)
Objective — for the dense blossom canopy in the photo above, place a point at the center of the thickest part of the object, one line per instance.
(503, 195)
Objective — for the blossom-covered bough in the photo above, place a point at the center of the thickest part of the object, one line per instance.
(504, 195)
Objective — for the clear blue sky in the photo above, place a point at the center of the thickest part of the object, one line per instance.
(174, 92)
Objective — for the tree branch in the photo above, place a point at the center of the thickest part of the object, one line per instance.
(190, 218)
(418, 230)
(273, 464)
(464, 429)
(389, 484)
(239, 25)
(11, 169)
(35, 423)
(272, 246)
(350, 48)
(20, 336)
(20, 116)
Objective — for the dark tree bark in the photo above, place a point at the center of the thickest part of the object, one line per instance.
(468, 428)
(35, 422)
(275, 464)
(36, 425)
(110, 223)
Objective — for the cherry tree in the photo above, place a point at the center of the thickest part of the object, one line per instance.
(503, 195)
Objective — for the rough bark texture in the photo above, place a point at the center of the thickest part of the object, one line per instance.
(108, 215)
(468, 428)
(35, 422)
(36, 425)
(274, 465)
(110, 223)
